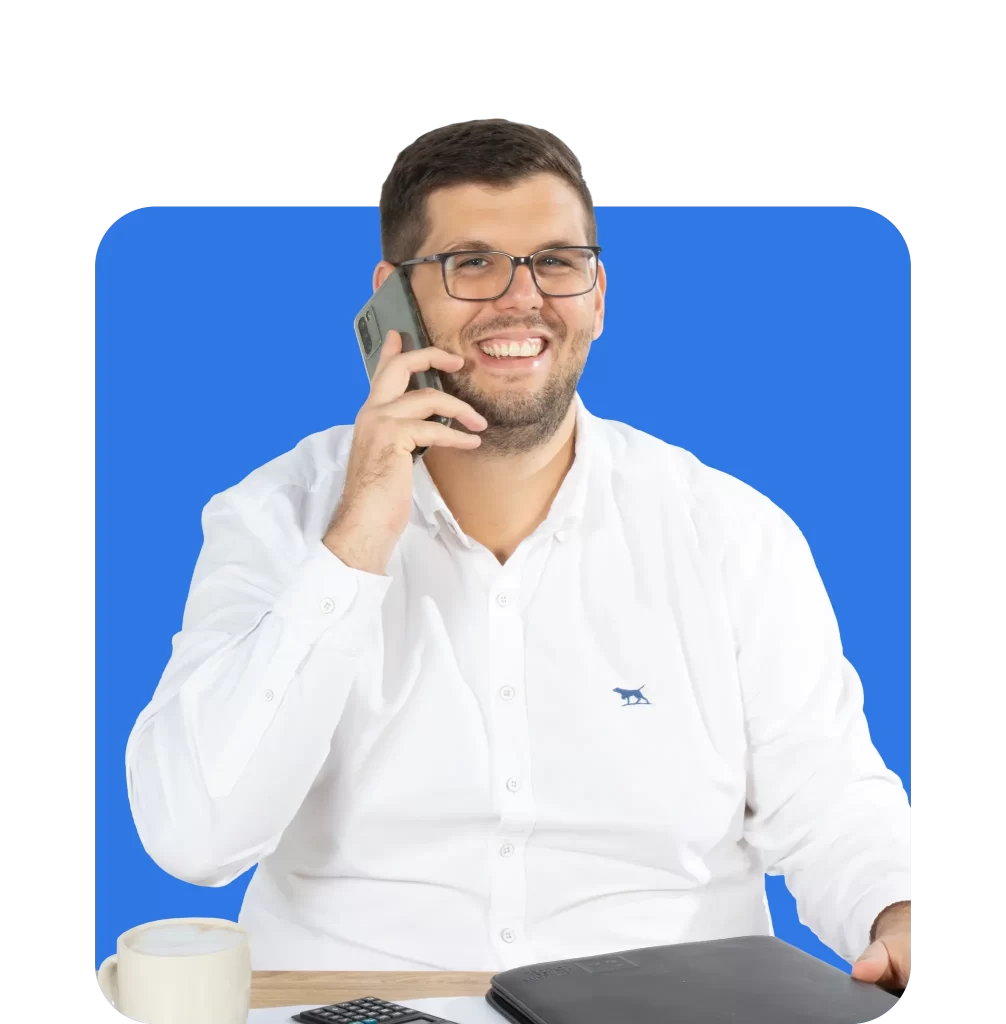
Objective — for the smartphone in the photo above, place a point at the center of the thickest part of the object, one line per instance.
(393, 307)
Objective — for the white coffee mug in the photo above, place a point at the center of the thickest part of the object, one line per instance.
(185, 970)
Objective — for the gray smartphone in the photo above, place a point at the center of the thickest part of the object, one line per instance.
(393, 307)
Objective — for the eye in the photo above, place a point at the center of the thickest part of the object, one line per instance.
(471, 263)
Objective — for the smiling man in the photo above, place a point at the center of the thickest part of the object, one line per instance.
(557, 689)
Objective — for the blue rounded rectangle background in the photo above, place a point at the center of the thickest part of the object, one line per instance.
(773, 343)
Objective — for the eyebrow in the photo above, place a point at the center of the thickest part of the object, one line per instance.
(479, 244)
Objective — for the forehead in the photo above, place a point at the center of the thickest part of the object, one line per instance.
(538, 210)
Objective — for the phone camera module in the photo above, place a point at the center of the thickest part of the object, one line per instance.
(366, 340)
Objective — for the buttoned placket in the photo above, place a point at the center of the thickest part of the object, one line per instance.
(508, 589)
(511, 759)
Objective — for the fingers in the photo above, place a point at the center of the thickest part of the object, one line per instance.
(426, 434)
(420, 405)
(394, 367)
(399, 419)
(874, 965)
(391, 347)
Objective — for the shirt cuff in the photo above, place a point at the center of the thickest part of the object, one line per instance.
(857, 931)
(325, 594)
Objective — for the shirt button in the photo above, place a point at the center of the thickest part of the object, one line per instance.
(433, 529)
(506, 849)
(269, 695)
(503, 599)
(513, 784)
(560, 535)
(507, 692)
(507, 935)
(328, 605)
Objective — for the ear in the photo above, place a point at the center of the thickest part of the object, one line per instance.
(599, 288)
(382, 272)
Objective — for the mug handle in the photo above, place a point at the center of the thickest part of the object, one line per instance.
(108, 979)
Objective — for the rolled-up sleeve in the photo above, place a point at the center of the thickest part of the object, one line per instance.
(822, 808)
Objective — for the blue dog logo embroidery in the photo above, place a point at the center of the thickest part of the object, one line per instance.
(627, 696)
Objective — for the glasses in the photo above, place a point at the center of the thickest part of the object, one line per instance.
(481, 275)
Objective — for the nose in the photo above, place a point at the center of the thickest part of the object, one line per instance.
(523, 292)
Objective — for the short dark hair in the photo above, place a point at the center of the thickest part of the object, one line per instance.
(489, 152)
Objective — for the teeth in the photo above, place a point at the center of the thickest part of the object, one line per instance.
(512, 349)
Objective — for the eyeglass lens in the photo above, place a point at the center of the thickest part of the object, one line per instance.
(484, 275)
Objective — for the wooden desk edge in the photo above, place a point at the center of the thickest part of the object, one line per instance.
(299, 988)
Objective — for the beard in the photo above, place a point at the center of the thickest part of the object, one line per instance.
(520, 421)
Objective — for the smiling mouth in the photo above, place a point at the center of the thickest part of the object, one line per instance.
(503, 348)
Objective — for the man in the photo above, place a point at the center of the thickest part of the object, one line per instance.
(556, 689)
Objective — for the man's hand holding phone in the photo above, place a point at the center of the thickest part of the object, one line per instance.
(377, 496)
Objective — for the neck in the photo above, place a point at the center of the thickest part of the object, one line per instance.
(499, 500)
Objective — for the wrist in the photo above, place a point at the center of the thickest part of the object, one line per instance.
(894, 917)
(358, 549)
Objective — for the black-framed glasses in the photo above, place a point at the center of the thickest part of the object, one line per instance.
(480, 275)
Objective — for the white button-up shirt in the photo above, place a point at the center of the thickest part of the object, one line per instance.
(602, 744)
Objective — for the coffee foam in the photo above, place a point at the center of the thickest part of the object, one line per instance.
(189, 939)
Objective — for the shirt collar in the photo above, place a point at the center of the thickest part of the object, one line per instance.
(567, 506)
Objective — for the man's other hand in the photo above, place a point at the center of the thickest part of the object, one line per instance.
(887, 961)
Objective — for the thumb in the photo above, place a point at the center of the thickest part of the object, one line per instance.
(874, 963)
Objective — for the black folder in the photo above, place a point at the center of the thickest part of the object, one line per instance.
(755, 979)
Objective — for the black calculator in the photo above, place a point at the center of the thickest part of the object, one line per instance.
(366, 1011)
